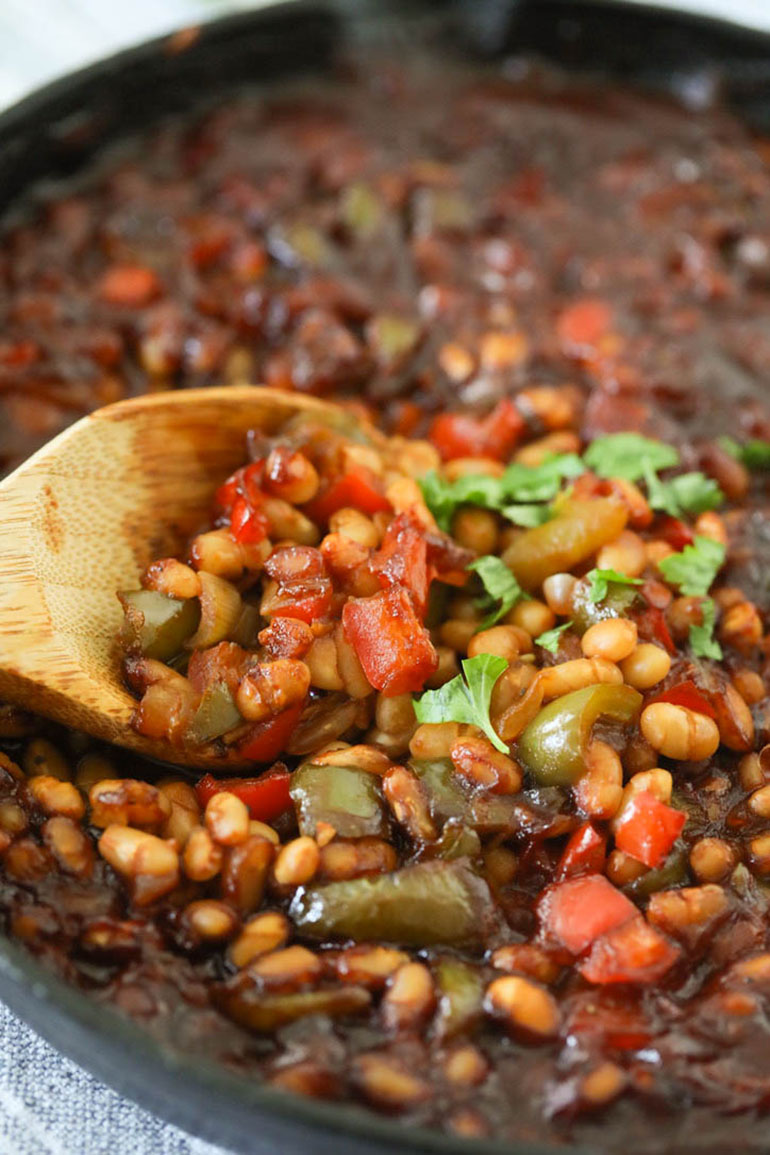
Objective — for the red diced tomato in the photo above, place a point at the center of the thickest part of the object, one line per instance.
(674, 531)
(245, 482)
(266, 740)
(266, 797)
(581, 326)
(686, 694)
(462, 435)
(648, 828)
(303, 587)
(393, 648)
(608, 1019)
(402, 560)
(247, 525)
(359, 488)
(633, 952)
(584, 853)
(580, 910)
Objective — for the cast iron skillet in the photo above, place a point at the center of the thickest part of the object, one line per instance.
(50, 135)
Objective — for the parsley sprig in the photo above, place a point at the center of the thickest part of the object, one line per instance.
(551, 639)
(695, 568)
(501, 589)
(702, 641)
(466, 698)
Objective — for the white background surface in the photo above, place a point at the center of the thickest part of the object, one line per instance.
(42, 39)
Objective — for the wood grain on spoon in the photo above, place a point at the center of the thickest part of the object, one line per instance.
(83, 517)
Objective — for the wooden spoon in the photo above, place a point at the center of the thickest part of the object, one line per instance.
(83, 517)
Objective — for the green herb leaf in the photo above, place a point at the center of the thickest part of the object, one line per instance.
(551, 638)
(527, 483)
(600, 579)
(754, 454)
(688, 493)
(627, 455)
(528, 516)
(439, 498)
(695, 568)
(467, 699)
(500, 586)
(702, 641)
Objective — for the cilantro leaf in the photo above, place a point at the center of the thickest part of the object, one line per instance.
(627, 455)
(528, 483)
(438, 498)
(702, 640)
(551, 638)
(695, 568)
(499, 586)
(754, 454)
(600, 579)
(466, 699)
(528, 516)
(687, 493)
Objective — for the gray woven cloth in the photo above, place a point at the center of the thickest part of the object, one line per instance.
(50, 1106)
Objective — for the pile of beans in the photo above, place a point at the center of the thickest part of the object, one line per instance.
(387, 909)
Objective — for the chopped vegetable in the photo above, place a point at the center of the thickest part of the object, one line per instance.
(578, 530)
(266, 797)
(688, 493)
(500, 586)
(579, 911)
(466, 698)
(695, 568)
(647, 828)
(688, 695)
(551, 639)
(599, 583)
(584, 853)
(463, 435)
(754, 454)
(424, 905)
(553, 746)
(359, 488)
(340, 796)
(402, 560)
(267, 740)
(156, 625)
(629, 456)
(633, 952)
(216, 714)
(392, 645)
(702, 641)
(460, 997)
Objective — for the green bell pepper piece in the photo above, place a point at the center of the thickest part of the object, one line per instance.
(156, 625)
(477, 810)
(554, 744)
(460, 997)
(670, 873)
(216, 714)
(457, 841)
(617, 603)
(348, 799)
(432, 903)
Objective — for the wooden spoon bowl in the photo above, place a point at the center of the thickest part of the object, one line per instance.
(83, 517)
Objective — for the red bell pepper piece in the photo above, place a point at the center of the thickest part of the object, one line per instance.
(648, 828)
(393, 648)
(245, 482)
(265, 797)
(674, 531)
(403, 560)
(303, 588)
(633, 952)
(247, 524)
(581, 326)
(266, 740)
(580, 910)
(462, 435)
(652, 627)
(584, 853)
(359, 489)
(686, 694)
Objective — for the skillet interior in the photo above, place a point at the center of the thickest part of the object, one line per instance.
(51, 135)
